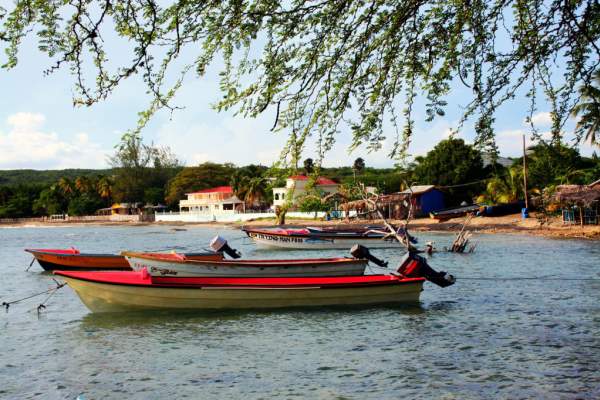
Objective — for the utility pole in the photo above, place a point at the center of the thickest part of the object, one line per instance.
(525, 172)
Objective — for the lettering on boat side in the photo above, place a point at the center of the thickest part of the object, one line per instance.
(272, 238)
(163, 271)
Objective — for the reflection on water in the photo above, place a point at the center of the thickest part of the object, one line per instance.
(202, 317)
(504, 338)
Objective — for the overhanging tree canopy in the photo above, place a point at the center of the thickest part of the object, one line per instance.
(320, 65)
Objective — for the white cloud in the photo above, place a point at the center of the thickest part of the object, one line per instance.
(237, 140)
(542, 119)
(27, 145)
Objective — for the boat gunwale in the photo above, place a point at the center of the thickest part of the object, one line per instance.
(310, 235)
(56, 253)
(152, 282)
(264, 263)
(105, 255)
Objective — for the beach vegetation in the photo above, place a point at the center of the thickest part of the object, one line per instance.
(453, 166)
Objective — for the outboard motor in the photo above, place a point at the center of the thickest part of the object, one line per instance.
(359, 251)
(219, 244)
(415, 266)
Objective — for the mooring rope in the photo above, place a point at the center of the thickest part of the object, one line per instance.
(30, 264)
(515, 278)
(51, 291)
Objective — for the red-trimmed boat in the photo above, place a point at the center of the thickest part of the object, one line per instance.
(182, 266)
(130, 291)
(317, 238)
(73, 260)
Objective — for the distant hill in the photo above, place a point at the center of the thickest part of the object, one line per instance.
(46, 177)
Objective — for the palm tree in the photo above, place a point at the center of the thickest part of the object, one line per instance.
(104, 187)
(358, 166)
(239, 184)
(309, 166)
(83, 184)
(504, 188)
(255, 191)
(66, 186)
(589, 109)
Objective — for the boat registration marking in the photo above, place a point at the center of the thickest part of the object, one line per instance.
(273, 238)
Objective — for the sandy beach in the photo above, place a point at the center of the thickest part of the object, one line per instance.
(505, 224)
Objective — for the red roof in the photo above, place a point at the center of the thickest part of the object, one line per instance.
(320, 180)
(218, 189)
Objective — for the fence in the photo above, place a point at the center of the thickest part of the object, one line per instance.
(237, 217)
(82, 218)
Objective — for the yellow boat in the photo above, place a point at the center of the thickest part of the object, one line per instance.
(130, 291)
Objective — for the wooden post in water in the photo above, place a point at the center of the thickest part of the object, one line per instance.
(525, 173)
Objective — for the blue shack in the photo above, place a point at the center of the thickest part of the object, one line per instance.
(425, 199)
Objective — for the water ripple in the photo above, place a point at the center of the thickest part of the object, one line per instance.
(477, 339)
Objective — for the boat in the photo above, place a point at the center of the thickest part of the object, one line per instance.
(319, 238)
(112, 291)
(454, 212)
(138, 290)
(502, 209)
(180, 265)
(73, 260)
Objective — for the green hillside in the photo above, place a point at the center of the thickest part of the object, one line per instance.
(46, 177)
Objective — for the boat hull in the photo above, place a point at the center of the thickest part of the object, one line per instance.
(72, 260)
(109, 297)
(50, 261)
(158, 266)
(273, 240)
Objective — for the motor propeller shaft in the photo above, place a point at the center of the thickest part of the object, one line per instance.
(359, 251)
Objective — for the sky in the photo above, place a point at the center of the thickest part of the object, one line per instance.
(41, 129)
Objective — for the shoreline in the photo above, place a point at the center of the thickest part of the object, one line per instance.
(509, 224)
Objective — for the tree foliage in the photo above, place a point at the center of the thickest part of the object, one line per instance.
(554, 164)
(140, 166)
(505, 187)
(203, 176)
(309, 166)
(451, 163)
(588, 125)
(321, 65)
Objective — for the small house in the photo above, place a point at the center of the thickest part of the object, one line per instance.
(425, 199)
(297, 185)
(580, 203)
(126, 209)
(217, 200)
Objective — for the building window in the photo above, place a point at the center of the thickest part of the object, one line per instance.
(228, 207)
(282, 196)
(276, 196)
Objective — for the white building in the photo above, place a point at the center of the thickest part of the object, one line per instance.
(297, 183)
(218, 200)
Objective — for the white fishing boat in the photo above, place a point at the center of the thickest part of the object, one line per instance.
(179, 265)
(173, 264)
(318, 239)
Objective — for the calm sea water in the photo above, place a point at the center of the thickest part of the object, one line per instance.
(492, 338)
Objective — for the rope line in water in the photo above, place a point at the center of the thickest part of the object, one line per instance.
(484, 278)
(51, 291)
